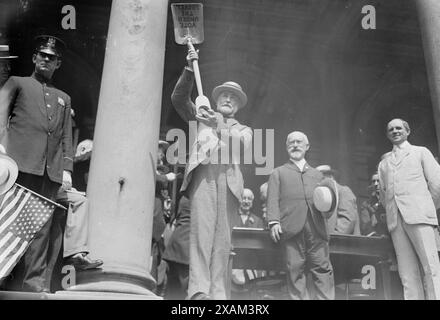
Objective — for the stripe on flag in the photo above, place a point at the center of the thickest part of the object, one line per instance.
(22, 214)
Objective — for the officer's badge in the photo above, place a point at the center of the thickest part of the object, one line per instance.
(51, 42)
(61, 102)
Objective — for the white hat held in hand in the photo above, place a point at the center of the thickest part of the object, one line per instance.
(8, 171)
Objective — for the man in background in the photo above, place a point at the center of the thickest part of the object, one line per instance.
(245, 218)
(177, 253)
(5, 64)
(346, 219)
(372, 214)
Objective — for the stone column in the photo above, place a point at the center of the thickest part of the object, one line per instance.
(429, 20)
(122, 172)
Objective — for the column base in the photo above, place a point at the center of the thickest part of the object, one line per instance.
(75, 295)
(94, 295)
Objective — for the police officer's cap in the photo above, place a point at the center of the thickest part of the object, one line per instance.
(50, 45)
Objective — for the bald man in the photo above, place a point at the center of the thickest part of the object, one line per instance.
(409, 179)
(294, 220)
(245, 218)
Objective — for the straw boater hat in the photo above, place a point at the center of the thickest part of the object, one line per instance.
(325, 168)
(325, 197)
(83, 147)
(8, 171)
(233, 87)
(163, 144)
(4, 52)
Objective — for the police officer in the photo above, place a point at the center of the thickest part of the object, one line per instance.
(36, 130)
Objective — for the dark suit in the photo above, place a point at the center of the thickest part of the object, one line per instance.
(177, 253)
(239, 276)
(305, 232)
(372, 217)
(252, 221)
(39, 134)
(35, 128)
(346, 219)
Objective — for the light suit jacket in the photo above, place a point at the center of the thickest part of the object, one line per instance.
(186, 108)
(410, 184)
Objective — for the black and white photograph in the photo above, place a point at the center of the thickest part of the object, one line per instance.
(241, 151)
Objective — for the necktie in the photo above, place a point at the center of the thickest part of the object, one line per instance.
(397, 154)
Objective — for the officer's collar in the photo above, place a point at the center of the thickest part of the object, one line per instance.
(41, 79)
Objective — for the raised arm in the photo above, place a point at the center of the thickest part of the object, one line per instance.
(181, 96)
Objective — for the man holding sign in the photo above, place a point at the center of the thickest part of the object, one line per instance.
(214, 184)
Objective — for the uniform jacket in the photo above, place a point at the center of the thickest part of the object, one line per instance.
(290, 196)
(177, 249)
(35, 126)
(346, 220)
(187, 110)
(410, 184)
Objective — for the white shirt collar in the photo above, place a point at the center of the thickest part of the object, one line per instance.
(300, 164)
(401, 146)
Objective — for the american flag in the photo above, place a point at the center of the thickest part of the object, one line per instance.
(22, 214)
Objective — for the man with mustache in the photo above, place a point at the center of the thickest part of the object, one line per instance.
(36, 130)
(295, 221)
(213, 184)
(409, 178)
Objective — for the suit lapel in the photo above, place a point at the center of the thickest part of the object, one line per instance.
(293, 166)
(396, 160)
(404, 153)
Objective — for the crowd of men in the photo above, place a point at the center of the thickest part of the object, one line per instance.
(304, 205)
(191, 246)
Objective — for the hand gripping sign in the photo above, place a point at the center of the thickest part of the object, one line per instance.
(188, 29)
